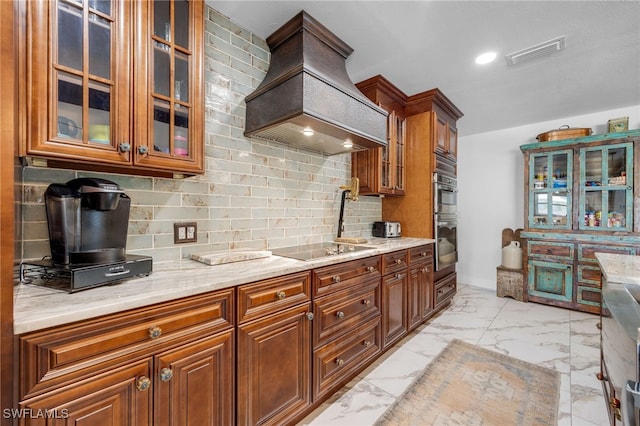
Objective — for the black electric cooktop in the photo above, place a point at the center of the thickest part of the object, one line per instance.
(316, 251)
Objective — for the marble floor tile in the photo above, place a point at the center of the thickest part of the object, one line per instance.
(557, 338)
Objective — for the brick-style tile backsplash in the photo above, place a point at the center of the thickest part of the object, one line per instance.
(253, 194)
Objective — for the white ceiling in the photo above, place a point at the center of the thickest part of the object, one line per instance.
(419, 45)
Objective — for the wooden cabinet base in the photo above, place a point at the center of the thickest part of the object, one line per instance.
(120, 397)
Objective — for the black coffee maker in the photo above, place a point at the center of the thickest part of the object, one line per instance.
(88, 220)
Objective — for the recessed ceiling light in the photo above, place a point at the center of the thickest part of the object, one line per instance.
(348, 144)
(307, 131)
(485, 58)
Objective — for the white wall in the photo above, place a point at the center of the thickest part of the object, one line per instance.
(490, 183)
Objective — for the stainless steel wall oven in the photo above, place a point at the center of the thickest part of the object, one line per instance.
(445, 189)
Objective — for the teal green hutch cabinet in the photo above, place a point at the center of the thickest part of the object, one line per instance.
(582, 197)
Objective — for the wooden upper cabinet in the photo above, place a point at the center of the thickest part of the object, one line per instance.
(115, 85)
(444, 115)
(382, 170)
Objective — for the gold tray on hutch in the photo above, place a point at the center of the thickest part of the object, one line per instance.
(564, 132)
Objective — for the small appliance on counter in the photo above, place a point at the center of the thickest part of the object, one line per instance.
(88, 220)
(386, 229)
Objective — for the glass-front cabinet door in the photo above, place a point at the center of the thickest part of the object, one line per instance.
(550, 185)
(168, 116)
(79, 57)
(116, 83)
(606, 195)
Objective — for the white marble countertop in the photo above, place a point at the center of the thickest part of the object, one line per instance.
(620, 268)
(37, 307)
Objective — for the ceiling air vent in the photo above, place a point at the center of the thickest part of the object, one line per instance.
(541, 49)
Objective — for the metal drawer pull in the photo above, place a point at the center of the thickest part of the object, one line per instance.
(340, 314)
(143, 383)
(423, 254)
(366, 302)
(166, 374)
(371, 269)
(366, 343)
(339, 361)
(309, 315)
(154, 332)
(398, 276)
(281, 294)
(398, 261)
(336, 279)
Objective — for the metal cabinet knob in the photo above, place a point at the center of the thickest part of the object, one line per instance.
(143, 150)
(398, 261)
(371, 269)
(340, 314)
(155, 332)
(336, 279)
(124, 147)
(366, 302)
(398, 276)
(166, 374)
(339, 361)
(309, 316)
(281, 294)
(366, 343)
(143, 383)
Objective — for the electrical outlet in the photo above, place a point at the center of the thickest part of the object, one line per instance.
(185, 232)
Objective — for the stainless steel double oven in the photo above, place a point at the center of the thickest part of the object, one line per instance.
(445, 190)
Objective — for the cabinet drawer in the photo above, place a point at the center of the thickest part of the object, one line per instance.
(445, 290)
(589, 274)
(343, 275)
(588, 295)
(422, 253)
(587, 252)
(340, 312)
(269, 296)
(394, 262)
(72, 350)
(560, 251)
(339, 361)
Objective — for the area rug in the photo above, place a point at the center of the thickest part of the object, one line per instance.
(466, 385)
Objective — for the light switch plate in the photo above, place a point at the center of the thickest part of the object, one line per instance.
(186, 232)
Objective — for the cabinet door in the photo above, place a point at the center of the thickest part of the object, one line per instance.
(398, 172)
(420, 298)
(78, 80)
(119, 397)
(274, 367)
(606, 188)
(194, 384)
(550, 186)
(394, 307)
(440, 142)
(453, 142)
(549, 280)
(168, 98)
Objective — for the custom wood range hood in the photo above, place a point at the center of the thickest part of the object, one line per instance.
(307, 88)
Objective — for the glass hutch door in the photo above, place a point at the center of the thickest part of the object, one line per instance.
(606, 189)
(550, 195)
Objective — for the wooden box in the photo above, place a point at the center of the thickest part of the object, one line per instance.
(509, 283)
